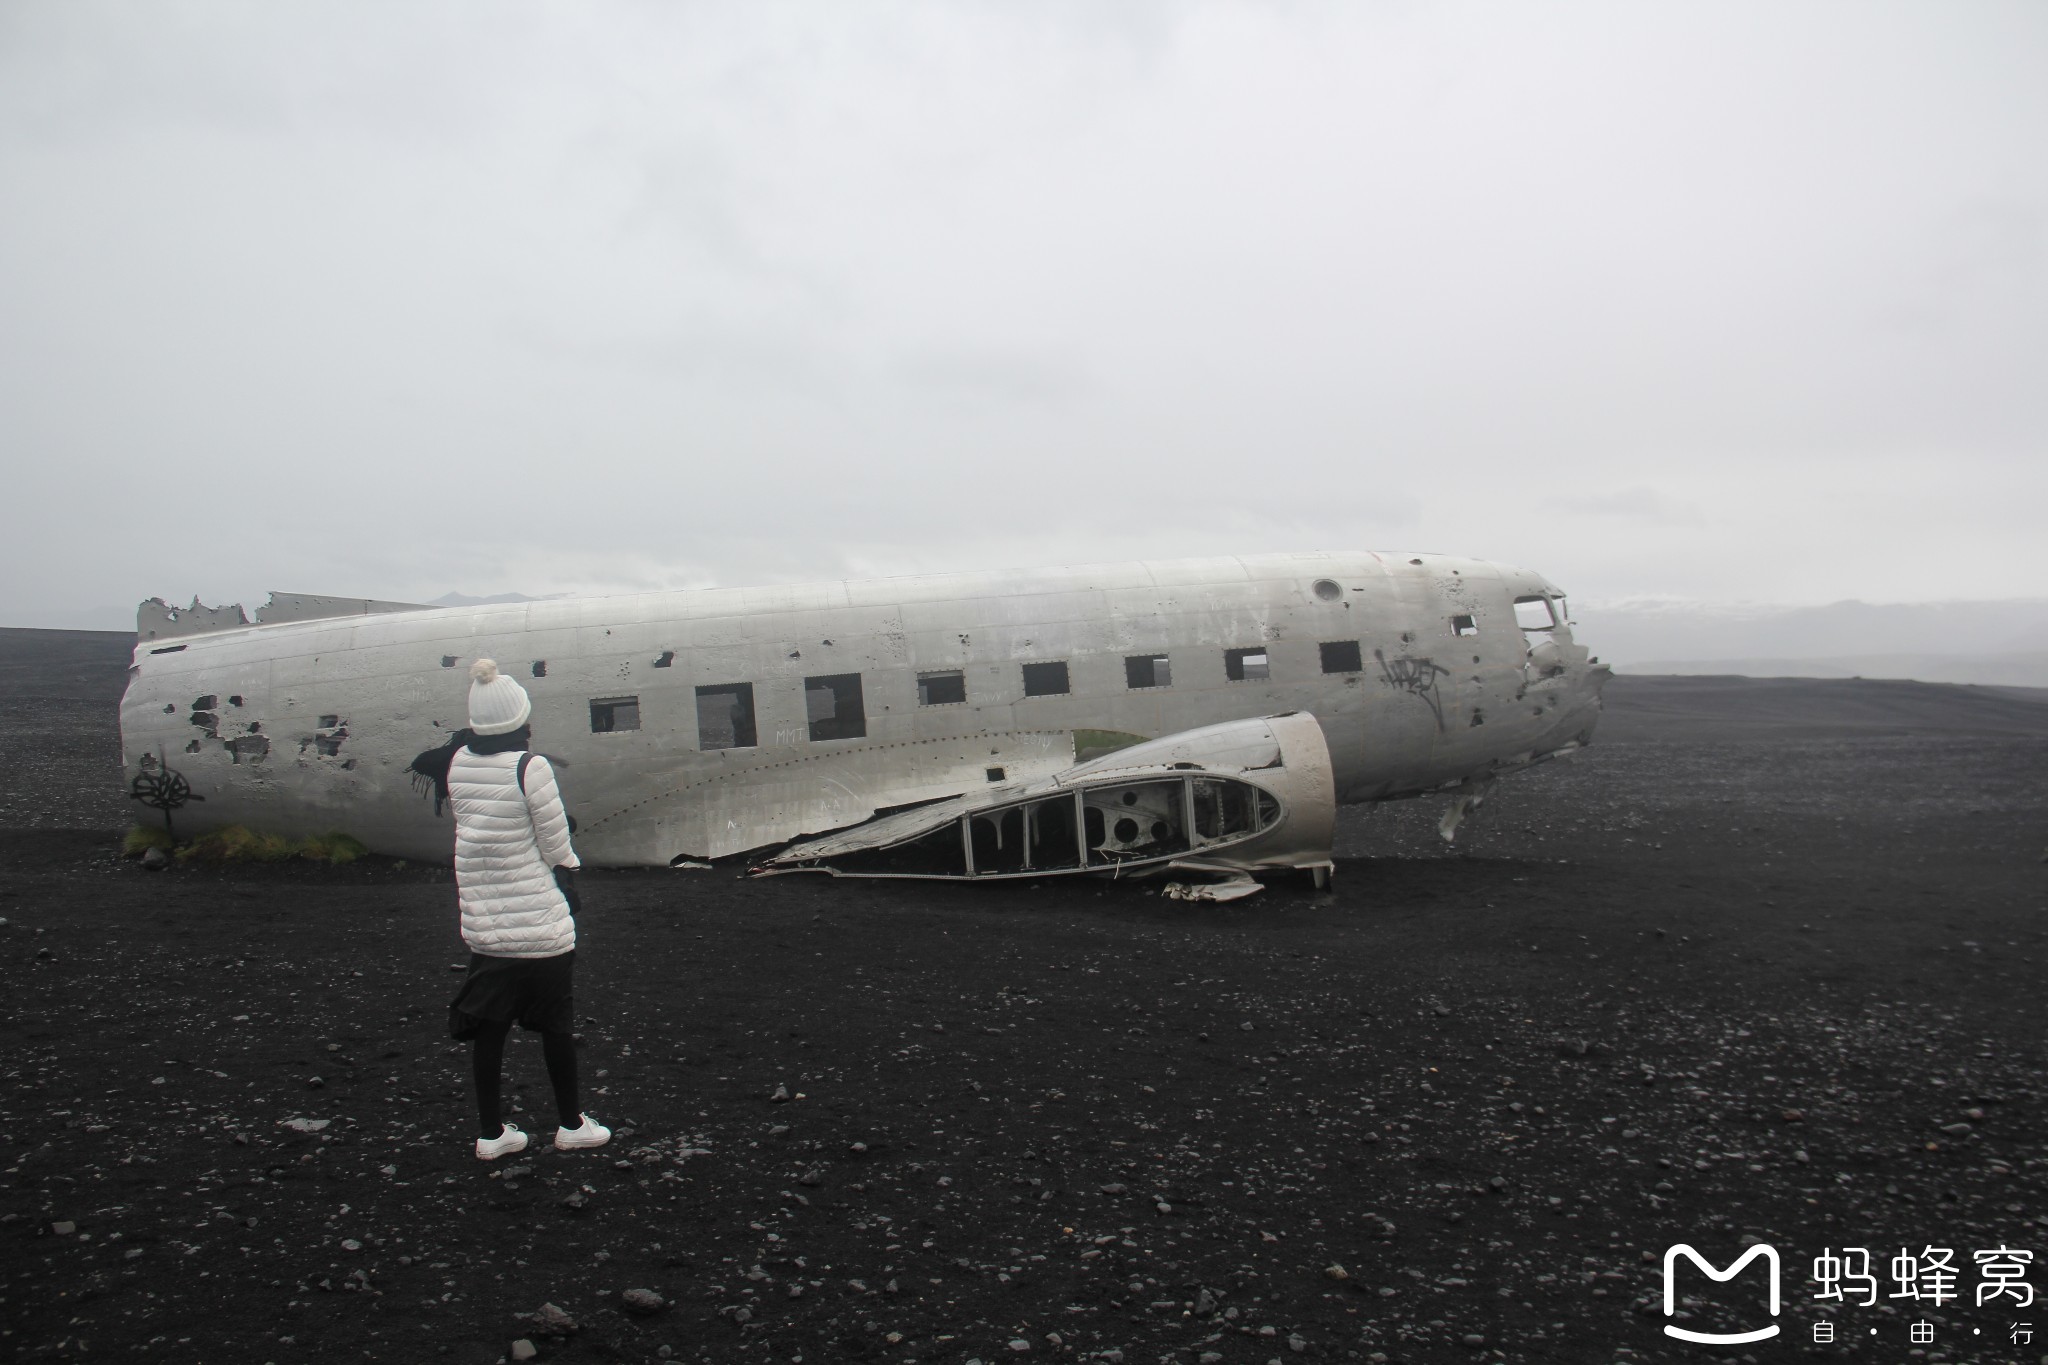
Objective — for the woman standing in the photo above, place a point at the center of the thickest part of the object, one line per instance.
(513, 863)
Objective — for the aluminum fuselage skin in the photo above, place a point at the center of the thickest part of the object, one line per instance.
(312, 724)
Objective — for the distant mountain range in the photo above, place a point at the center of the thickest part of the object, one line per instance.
(1989, 643)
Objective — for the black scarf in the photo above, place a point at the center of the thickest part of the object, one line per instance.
(430, 769)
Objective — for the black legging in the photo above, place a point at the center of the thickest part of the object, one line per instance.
(487, 1059)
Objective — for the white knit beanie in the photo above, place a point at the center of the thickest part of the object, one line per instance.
(497, 705)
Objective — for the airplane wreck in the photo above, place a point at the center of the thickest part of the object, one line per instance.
(1193, 717)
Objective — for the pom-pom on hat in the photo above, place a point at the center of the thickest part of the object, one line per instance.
(497, 705)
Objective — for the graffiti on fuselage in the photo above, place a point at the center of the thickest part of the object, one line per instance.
(1416, 676)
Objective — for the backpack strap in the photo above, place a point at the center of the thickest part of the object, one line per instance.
(524, 759)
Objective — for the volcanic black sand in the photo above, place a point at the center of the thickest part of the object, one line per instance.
(1765, 963)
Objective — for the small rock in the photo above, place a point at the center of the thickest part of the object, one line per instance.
(1956, 1129)
(573, 1200)
(1793, 1116)
(1336, 1272)
(781, 1095)
(1245, 1027)
(155, 860)
(1296, 1342)
(813, 1176)
(65, 1228)
(315, 1083)
(523, 1349)
(642, 1301)
(552, 1321)
(1019, 1345)
(1473, 1339)
(1205, 1303)
(351, 1244)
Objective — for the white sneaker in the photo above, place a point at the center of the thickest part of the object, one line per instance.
(504, 1144)
(589, 1133)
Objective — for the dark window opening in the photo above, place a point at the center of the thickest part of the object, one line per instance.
(540, 668)
(447, 661)
(1342, 656)
(667, 659)
(1047, 679)
(167, 649)
(1147, 670)
(1533, 613)
(725, 716)
(941, 689)
(1464, 625)
(995, 774)
(329, 722)
(1328, 590)
(608, 714)
(1247, 665)
(209, 702)
(234, 701)
(834, 707)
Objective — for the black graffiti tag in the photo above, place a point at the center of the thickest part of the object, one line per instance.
(1417, 676)
(164, 789)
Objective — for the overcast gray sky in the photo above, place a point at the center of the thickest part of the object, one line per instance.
(1714, 300)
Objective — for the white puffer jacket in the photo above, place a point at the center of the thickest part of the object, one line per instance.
(506, 844)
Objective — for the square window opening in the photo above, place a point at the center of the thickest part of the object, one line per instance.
(1046, 679)
(1464, 625)
(1247, 665)
(608, 714)
(1342, 656)
(1534, 613)
(835, 708)
(725, 716)
(941, 689)
(1147, 670)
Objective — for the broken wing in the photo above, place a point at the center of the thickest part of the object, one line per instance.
(1246, 795)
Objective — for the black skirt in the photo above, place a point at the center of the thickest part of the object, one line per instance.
(535, 992)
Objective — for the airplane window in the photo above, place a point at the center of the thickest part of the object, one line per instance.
(725, 716)
(614, 713)
(1046, 680)
(1246, 665)
(1147, 670)
(1342, 656)
(1464, 625)
(1533, 613)
(941, 689)
(834, 706)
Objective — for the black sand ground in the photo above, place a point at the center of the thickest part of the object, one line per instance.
(1766, 962)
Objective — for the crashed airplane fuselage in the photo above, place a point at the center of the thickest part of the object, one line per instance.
(1201, 713)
